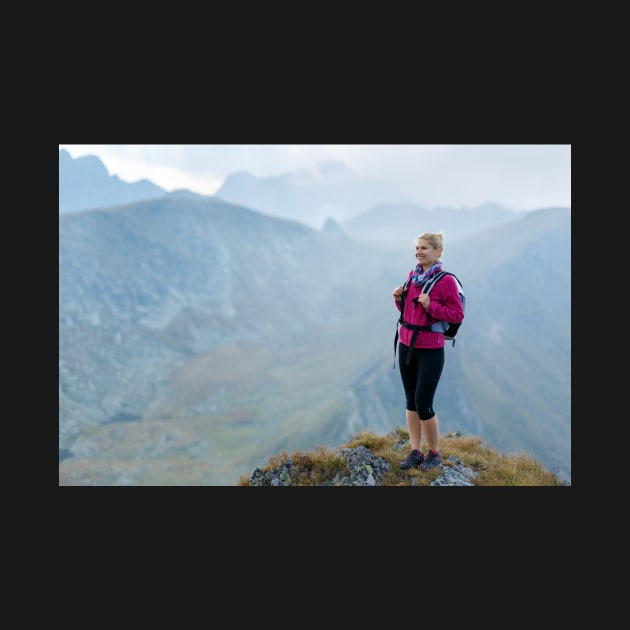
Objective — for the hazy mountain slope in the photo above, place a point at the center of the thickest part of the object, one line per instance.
(197, 338)
(176, 308)
(85, 183)
(330, 189)
(508, 377)
(525, 278)
(401, 222)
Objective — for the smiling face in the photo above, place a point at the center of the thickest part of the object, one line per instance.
(426, 254)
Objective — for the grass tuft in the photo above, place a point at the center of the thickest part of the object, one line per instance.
(323, 466)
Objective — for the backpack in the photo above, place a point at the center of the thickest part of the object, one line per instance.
(449, 330)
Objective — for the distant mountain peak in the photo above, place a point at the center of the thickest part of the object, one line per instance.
(309, 195)
(85, 184)
(332, 227)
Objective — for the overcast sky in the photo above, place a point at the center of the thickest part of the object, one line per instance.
(519, 176)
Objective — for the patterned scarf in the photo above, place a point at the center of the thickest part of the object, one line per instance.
(419, 277)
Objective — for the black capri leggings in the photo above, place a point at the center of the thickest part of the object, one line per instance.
(420, 377)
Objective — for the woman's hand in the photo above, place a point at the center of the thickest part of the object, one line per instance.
(397, 292)
(425, 300)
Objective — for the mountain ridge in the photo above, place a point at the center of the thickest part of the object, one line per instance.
(85, 184)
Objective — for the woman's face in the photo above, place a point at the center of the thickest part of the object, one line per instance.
(426, 254)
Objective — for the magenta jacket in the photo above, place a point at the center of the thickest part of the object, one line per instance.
(445, 305)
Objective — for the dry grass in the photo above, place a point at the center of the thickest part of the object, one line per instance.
(319, 466)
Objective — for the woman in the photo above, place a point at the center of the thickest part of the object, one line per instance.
(421, 352)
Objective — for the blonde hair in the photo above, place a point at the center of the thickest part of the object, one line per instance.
(436, 239)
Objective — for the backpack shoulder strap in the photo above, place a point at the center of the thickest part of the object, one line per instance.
(431, 282)
(429, 285)
(405, 287)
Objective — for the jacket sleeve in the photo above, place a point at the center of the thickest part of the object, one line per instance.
(445, 302)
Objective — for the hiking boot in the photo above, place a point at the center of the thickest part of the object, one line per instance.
(415, 458)
(432, 460)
